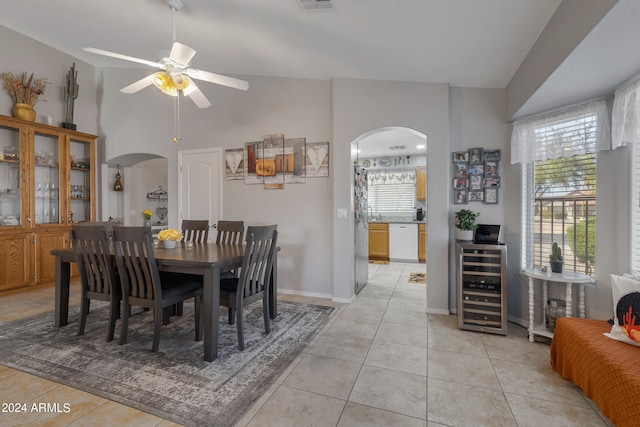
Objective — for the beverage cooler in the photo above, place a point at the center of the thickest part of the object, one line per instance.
(482, 287)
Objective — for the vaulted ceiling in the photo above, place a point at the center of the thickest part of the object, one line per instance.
(465, 43)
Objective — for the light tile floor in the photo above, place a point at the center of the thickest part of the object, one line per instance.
(381, 361)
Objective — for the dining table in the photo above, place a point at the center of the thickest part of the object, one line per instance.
(204, 259)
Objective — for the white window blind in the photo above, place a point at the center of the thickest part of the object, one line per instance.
(625, 130)
(635, 207)
(559, 184)
(392, 199)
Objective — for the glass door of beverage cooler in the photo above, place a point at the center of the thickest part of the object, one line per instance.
(10, 201)
(46, 179)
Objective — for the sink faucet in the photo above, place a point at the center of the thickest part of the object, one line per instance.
(370, 211)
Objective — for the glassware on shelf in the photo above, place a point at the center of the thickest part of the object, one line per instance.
(74, 191)
(81, 192)
(38, 189)
(10, 153)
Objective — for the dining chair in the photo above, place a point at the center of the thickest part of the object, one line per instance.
(108, 225)
(230, 232)
(98, 276)
(195, 230)
(144, 286)
(255, 277)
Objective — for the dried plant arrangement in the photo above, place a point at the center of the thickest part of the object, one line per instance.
(24, 90)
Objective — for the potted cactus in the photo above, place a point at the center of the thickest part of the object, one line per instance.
(555, 259)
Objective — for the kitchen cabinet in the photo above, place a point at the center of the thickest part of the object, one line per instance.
(379, 241)
(482, 287)
(422, 242)
(47, 183)
(421, 182)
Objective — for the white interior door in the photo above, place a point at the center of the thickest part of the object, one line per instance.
(200, 185)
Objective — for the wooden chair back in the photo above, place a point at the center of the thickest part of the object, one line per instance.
(255, 274)
(137, 264)
(91, 249)
(196, 230)
(230, 232)
(98, 277)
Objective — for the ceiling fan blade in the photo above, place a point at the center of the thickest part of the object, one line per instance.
(196, 95)
(139, 85)
(217, 79)
(124, 57)
(181, 53)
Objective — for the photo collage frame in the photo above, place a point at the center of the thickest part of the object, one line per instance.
(476, 176)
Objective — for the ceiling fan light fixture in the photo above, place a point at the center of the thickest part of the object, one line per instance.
(181, 81)
(163, 81)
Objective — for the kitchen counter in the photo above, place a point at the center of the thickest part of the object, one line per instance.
(395, 220)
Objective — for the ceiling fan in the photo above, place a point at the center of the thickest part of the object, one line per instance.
(175, 76)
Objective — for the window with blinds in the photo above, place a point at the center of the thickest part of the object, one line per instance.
(391, 199)
(560, 194)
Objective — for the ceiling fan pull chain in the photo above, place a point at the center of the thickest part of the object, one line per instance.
(176, 118)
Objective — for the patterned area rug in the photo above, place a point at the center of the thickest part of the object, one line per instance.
(175, 383)
(417, 278)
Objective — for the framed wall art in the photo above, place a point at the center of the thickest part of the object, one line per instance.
(491, 196)
(317, 162)
(477, 173)
(234, 163)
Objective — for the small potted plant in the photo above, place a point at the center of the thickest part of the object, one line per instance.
(555, 259)
(147, 217)
(170, 236)
(25, 92)
(466, 224)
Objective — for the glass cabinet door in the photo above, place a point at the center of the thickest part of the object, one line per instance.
(46, 182)
(80, 181)
(10, 201)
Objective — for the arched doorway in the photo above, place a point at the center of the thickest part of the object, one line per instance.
(399, 154)
(141, 173)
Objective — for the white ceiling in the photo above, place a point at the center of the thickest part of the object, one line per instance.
(472, 43)
(466, 43)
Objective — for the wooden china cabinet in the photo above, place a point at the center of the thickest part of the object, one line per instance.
(47, 183)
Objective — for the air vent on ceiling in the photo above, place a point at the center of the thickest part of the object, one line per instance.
(311, 5)
(397, 147)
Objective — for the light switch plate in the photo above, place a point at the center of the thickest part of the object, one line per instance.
(341, 214)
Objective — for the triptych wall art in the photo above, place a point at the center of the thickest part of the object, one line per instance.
(476, 177)
(276, 161)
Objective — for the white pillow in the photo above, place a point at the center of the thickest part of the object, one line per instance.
(622, 285)
(617, 334)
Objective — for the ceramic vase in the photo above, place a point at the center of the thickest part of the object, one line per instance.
(169, 244)
(464, 234)
(24, 112)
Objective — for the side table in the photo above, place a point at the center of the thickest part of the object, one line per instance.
(569, 278)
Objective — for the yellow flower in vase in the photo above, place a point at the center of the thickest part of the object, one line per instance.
(169, 237)
(147, 214)
(170, 234)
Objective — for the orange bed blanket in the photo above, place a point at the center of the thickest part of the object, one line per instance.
(607, 371)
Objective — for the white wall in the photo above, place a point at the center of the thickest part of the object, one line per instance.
(360, 106)
(477, 121)
(296, 108)
(20, 54)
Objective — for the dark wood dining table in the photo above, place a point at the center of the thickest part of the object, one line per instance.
(205, 259)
